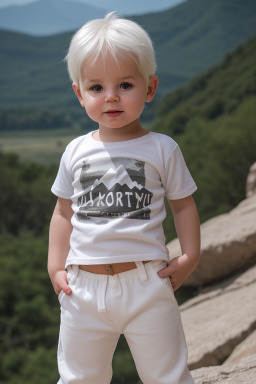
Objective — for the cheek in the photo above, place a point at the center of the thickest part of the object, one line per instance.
(137, 102)
(92, 105)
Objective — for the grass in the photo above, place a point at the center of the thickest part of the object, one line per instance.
(40, 146)
(37, 146)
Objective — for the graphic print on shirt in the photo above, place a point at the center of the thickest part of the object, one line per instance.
(114, 187)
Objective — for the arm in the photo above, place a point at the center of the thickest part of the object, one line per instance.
(59, 244)
(187, 226)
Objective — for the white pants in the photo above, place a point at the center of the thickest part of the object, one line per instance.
(137, 303)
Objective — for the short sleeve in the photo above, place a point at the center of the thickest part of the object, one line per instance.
(62, 186)
(179, 182)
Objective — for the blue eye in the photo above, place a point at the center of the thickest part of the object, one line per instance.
(126, 85)
(96, 88)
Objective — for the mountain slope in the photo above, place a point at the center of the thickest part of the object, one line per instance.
(213, 120)
(219, 91)
(188, 39)
(196, 35)
(46, 17)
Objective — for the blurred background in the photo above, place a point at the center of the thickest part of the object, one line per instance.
(206, 56)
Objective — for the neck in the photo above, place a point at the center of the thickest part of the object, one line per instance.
(130, 132)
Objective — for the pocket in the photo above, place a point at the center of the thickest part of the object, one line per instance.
(61, 296)
(165, 282)
(167, 286)
(72, 277)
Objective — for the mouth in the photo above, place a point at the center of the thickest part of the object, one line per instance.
(113, 112)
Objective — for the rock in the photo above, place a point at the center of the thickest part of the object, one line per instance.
(242, 373)
(245, 349)
(228, 245)
(251, 181)
(217, 320)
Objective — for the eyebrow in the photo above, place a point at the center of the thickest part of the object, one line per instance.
(93, 81)
(128, 77)
(122, 79)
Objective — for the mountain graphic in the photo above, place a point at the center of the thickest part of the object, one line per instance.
(119, 175)
(115, 195)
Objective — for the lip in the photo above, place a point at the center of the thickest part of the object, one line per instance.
(113, 112)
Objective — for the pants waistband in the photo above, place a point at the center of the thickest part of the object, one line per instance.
(110, 269)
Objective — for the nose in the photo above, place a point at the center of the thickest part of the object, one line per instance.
(111, 96)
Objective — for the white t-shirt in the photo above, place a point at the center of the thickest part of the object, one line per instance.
(118, 191)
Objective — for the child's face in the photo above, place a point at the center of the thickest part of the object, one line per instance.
(114, 94)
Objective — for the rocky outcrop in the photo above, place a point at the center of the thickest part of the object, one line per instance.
(242, 373)
(228, 245)
(220, 323)
(245, 349)
(251, 181)
(218, 320)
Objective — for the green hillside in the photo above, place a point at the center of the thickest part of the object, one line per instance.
(32, 71)
(188, 39)
(213, 120)
(35, 89)
(197, 34)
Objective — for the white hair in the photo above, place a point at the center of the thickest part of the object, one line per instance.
(114, 35)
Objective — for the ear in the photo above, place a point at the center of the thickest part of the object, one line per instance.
(78, 93)
(152, 87)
